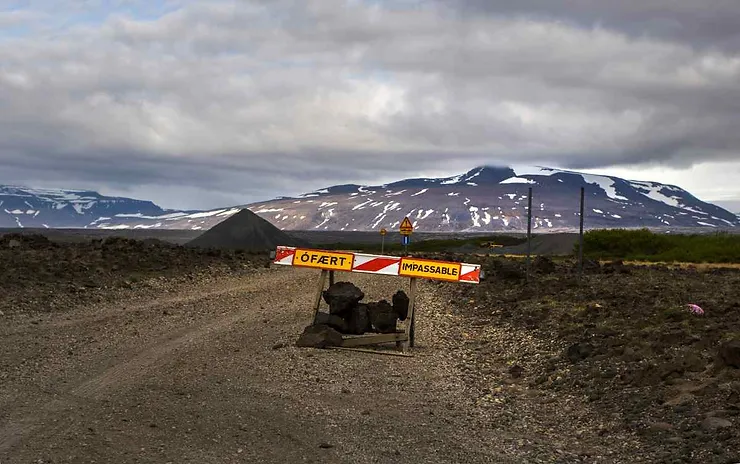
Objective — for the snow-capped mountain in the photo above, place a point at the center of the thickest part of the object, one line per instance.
(483, 199)
(495, 198)
(52, 208)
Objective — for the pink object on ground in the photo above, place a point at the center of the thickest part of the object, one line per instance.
(695, 309)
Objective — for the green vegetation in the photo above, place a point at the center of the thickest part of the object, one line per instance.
(643, 245)
(429, 246)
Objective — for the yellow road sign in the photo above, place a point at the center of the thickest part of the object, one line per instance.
(429, 269)
(383, 231)
(406, 227)
(323, 260)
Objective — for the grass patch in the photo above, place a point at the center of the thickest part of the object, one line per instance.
(643, 245)
(431, 245)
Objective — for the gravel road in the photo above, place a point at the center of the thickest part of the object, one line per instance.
(201, 367)
(208, 372)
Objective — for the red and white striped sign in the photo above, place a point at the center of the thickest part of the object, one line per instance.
(376, 264)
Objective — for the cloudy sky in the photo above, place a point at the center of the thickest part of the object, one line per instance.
(202, 104)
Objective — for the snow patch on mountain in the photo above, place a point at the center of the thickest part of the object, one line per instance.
(518, 180)
(452, 180)
(654, 192)
(520, 171)
(607, 184)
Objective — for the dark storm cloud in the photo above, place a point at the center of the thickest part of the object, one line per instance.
(281, 97)
(709, 23)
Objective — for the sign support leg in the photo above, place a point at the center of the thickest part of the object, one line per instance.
(317, 301)
(410, 322)
(529, 231)
(331, 278)
(580, 236)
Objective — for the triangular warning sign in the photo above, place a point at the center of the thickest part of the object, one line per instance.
(406, 225)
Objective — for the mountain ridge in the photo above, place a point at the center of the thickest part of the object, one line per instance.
(485, 198)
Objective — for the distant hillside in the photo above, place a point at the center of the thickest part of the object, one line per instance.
(483, 199)
(495, 199)
(52, 208)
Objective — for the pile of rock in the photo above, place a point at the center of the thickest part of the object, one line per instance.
(347, 315)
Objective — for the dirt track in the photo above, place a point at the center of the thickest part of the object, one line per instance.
(195, 377)
(193, 361)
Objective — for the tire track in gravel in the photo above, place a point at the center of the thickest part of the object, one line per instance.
(26, 421)
(162, 301)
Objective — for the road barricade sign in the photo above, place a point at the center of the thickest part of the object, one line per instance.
(413, 268)
(448, 271)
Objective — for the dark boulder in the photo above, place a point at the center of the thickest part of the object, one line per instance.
(401, 304)
(342, 297)
(729, 353)
(333, 321)
(579, 351)
(383, 316)
(358, 320)
(506, 269)
(615, 267)
(319, 336)
(544, 265)
(591, 265)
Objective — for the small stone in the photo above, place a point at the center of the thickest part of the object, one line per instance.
(325, 445)
(516, 371)
(659, 427)
(715, 423)
(278, 345)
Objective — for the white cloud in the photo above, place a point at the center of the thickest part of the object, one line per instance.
(256, 99)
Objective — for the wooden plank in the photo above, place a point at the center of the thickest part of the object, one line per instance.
(410, 321)
(372, 339)
(365, 350)
(373, 334)
(317, 301)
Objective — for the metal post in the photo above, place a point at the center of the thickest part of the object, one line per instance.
(411, 332)
(382, 244)
(529, 231)
(580, 237)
